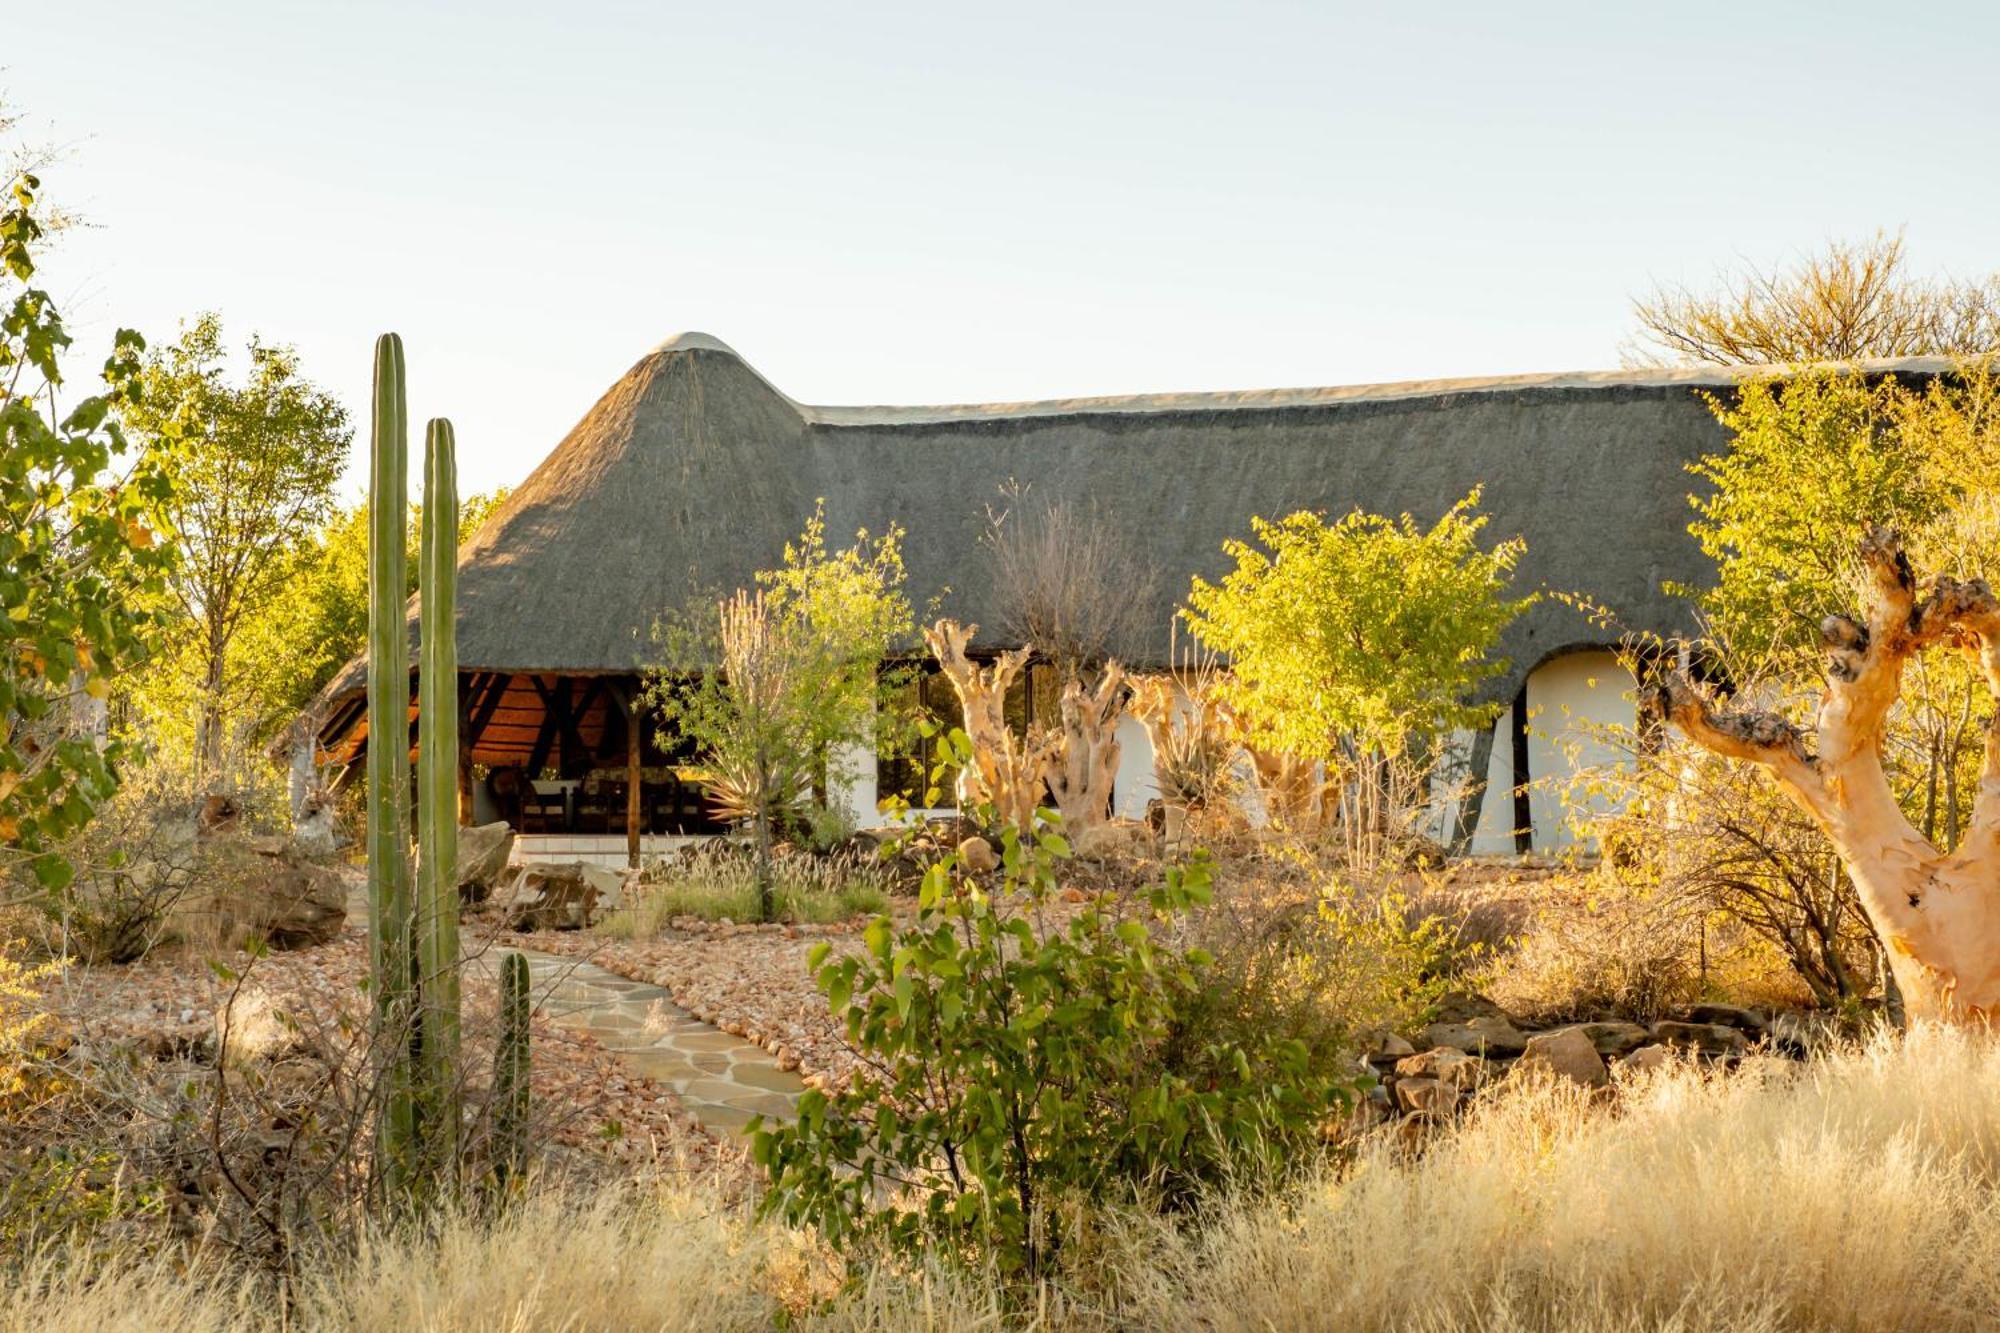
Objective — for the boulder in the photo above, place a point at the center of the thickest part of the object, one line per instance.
(1612, 1037)
(483, 853)
(1478, 1036)
(1711, 1039)
(1567, 1053)
(264, 890)
(976, 856)
(1113, 838)
(1449, 1066)
(1426, 1097)
(1459, 1006)
(545, 896)
(1729, 1016)
(1381, 1046)
(1646, 1058)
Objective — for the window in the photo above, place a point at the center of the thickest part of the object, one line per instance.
(903, 763)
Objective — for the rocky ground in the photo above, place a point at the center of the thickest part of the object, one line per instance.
(172, 1006)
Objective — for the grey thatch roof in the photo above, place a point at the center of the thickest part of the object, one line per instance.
(693, 471)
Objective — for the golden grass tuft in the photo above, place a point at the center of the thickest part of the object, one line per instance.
(1854, 1193)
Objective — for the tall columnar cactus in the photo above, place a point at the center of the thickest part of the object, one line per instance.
(413, 928)
(437, 798)
(510, 1069)
(390, 916)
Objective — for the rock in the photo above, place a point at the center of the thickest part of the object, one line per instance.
(1382, 1046)
(552, 897)
(483, 853)
(1449, 1066)
(263, 890)
(1479, 1036)
(609, 884)
(976, 855)
(1646, 1058)
(1460, 1006)
(1426, 1096)
(1709, 1039)
(1567, 1053)
(1727, 1015)
(1113, 838)
(1612, 1037)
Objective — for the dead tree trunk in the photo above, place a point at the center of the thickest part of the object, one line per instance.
(1080, 760)
(1937, 913)
(1005, 772)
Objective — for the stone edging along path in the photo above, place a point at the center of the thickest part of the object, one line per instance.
(721, 1080)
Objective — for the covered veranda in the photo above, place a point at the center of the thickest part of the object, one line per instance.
(570, 761)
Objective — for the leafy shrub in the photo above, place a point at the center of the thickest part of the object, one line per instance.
(1323, 970)
(1020, 1067)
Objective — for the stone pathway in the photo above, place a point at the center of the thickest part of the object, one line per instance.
(722, 1080)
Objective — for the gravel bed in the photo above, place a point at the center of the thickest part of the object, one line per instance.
(172, 1007)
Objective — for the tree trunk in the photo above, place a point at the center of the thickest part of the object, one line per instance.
(1937, 913)
(1006, 772)
(1080, 760)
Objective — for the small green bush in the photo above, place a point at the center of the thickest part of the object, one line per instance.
(1020, 1070)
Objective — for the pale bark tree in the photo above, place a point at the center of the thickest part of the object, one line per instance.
(1005, 772)
(1075, 762)
(1937, 913)
(1080, 758)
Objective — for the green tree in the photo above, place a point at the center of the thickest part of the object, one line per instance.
(779, 688)
(1359, 642)
(254, 469)
(83, 517)
(1020, 1068)
(316, 620)
(1812, 463)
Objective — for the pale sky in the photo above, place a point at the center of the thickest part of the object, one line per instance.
(945, 203)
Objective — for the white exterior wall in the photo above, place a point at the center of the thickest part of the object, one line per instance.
(853, 794)
(1572, 700)
(1135, 784)
(1494, 833)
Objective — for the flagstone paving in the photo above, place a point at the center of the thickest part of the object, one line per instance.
(722, 1080)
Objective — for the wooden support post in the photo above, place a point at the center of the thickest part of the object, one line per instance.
(634, 751)
(468, 690)
(1524, 806)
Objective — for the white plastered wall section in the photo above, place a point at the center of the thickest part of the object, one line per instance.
(1576, 703)
(1578, 707)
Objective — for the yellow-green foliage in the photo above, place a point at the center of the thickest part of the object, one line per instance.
(1368, 628)
(20, 1016)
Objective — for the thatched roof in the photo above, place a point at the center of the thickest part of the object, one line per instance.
(692, 471)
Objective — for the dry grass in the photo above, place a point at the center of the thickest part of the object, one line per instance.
(714, 887)
(1855, 1193)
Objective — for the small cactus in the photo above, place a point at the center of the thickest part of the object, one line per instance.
(510, 1069)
